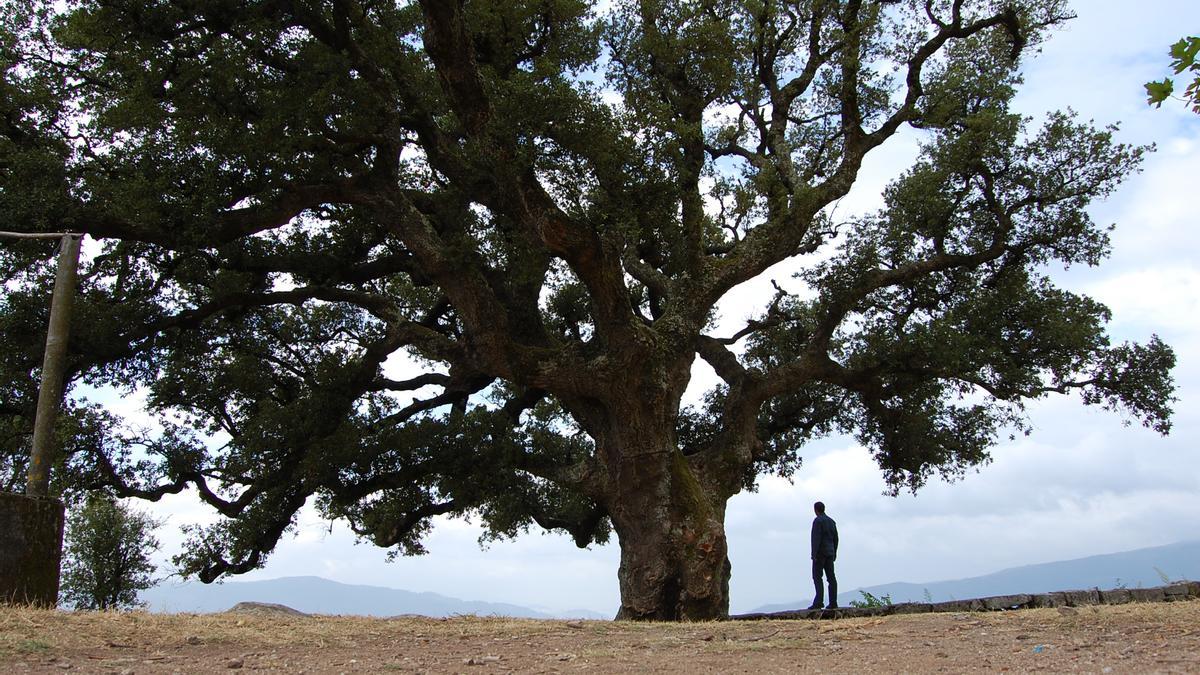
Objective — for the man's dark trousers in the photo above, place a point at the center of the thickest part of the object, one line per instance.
(824, 564)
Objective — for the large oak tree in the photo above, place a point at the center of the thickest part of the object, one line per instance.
(537, 205)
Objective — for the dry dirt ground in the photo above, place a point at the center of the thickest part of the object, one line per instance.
(1136, 638)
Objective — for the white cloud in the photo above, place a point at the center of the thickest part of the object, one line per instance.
(1155, 212)
(1164, 297)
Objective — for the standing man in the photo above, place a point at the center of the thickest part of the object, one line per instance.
(824, 552)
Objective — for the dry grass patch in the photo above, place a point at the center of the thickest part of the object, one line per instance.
(1124, 638)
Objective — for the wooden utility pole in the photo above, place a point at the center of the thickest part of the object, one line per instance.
(54, 364)
(54, 358)
(31, 525)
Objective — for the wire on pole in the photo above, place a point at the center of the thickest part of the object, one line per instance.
(38, 235)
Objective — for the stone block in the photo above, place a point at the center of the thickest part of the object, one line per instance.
(999, 602)
(1177, 591)
(31, 531)
(1046, 600)
(794, 614)
(264, 608)
(859, 612)
(957, 606)
(1116, 596)
(764, 616)
(1155, 594)
(1194, 589)
(1077, 598)
(909, 608)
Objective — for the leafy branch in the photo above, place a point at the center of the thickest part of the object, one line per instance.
(1184, 59)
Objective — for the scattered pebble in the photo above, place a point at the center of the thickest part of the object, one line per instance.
(235, 663)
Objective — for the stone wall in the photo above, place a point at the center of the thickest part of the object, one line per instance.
(1184, 590)
(31, 532)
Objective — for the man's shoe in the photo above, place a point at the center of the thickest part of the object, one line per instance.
(812, 607)
(832, 607)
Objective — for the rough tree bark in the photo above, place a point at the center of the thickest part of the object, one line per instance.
(674, 556)
(668, 519)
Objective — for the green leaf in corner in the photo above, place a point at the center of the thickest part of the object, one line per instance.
(1184, 54)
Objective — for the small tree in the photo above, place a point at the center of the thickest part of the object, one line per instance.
(107, 555)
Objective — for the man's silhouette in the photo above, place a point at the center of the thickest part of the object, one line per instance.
(824, 552)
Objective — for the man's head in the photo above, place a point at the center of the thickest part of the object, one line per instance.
(819, 508)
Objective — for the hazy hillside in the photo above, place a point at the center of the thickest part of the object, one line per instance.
(316, 595)
(1131, 569)
(322, 596)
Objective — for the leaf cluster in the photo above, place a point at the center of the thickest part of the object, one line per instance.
(1183, 60)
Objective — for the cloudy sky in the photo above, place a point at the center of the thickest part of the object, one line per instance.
(1081, 484)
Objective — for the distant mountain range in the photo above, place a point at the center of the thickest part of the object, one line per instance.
(315, 595)
(1141, 568)
(1131, 569)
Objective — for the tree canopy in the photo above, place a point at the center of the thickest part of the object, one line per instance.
(409, 259)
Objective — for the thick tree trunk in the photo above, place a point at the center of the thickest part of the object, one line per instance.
(674, 557)
(668, 509)
(674, 562)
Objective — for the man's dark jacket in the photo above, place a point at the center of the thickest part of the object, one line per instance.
(824, 538)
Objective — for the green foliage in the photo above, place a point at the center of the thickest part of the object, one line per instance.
(869, 600)
(33, 646)
(408, 260)
(1183, 60)
(106, 555)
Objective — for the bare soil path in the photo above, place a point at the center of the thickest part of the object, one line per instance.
(1133, 638)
